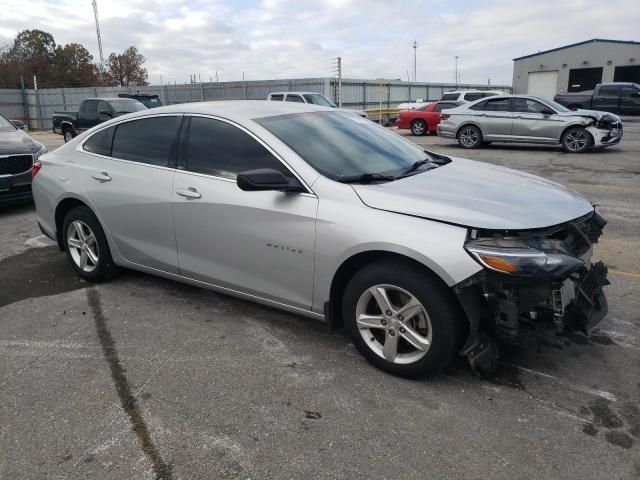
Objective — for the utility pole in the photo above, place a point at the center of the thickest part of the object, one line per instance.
(338, 67)
(415, 61)
(95, 14)
(456, 72)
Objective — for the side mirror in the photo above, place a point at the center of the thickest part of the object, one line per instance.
(106, 112)
(263, 179)
(17, 124)
(547, 111)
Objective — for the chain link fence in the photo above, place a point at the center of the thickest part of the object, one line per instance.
(36, 107)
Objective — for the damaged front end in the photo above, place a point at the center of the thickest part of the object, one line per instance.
(535, 282)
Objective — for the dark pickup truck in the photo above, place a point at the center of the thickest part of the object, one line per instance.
(93, 111)
(620, 98)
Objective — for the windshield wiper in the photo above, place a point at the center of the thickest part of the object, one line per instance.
(415, 166)
(367, 178)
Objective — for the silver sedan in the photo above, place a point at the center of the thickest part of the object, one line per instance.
(527, 119)
(325, 214)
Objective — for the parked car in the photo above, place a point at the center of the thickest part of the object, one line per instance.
(93, 111)
(621, 98)
(147, 99)
(421, 256)
(17, 154)
(527, 119)
(422, 121)
(469, 95)
(313, 98)
(419, 103)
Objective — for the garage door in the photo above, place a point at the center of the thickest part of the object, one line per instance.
(543, 84)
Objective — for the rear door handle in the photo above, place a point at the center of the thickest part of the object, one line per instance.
(102, 177)
(188, 192)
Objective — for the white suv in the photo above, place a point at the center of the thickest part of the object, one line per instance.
(469, 95)
(313, 98)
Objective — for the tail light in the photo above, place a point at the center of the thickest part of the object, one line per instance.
(37, 165)
(444, 116)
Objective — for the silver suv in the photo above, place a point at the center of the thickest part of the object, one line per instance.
(527, 119)
(325, 214)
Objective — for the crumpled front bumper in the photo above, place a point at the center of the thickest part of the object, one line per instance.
(605, 137)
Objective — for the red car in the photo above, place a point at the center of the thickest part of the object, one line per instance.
(425, 119)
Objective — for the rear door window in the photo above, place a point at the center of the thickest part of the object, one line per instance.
(100, 142)
(90, 106)
(608, 91)
(220, 149)
(295, 98)
(472, 97)
(450, 96)
(496, 105)
(148, 140)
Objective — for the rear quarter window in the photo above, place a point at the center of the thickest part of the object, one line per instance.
(146, 140)
(100, 142)
(450, 96)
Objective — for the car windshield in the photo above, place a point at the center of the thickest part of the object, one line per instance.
(556, 106)
(318, 99)
(127, 106)
(6, 124)
(342, 145)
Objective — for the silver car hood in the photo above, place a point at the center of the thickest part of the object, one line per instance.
(480, 195)
(595, 114)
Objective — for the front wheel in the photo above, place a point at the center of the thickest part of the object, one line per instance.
(470, 137)
(419, 127)
(86, 246)
(402, 319)
(576, 140)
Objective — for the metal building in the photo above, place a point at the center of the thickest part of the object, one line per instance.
(577, 67)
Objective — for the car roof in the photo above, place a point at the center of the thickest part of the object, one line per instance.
(108, 99)
(473, 91)
(298, 93)
(238, 110)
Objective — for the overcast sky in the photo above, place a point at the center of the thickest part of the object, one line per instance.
(296, 38)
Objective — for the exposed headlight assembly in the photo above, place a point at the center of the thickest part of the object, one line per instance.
(514, 257)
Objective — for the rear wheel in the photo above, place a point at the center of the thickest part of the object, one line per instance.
(86, 246)
(470, 137)
(402, 319)
(67, 133)
(419, 127)
(576, 140)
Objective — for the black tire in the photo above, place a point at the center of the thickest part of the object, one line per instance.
(469, 137)
(576, 140)
(446, 318)
(105, 269)
(68, 134)
(419, 128)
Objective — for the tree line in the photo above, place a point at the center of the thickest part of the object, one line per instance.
(35, 52)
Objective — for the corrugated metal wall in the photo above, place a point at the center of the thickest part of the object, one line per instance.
(36, 108)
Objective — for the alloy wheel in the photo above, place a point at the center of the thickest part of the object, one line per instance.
(418, 128)
(394, 324)
(82, 245)
(469, 137)
(576, 140)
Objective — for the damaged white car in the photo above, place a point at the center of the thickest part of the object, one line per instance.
(527, 119)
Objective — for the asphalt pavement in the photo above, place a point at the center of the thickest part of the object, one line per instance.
(147, 378)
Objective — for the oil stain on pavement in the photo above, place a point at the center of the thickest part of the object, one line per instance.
(613, 422)
(37, 272)
(162, 470)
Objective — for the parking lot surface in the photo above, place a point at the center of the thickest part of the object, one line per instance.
(147, 378)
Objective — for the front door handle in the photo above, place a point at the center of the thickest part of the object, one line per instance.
(188, 192)
(102, 177)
